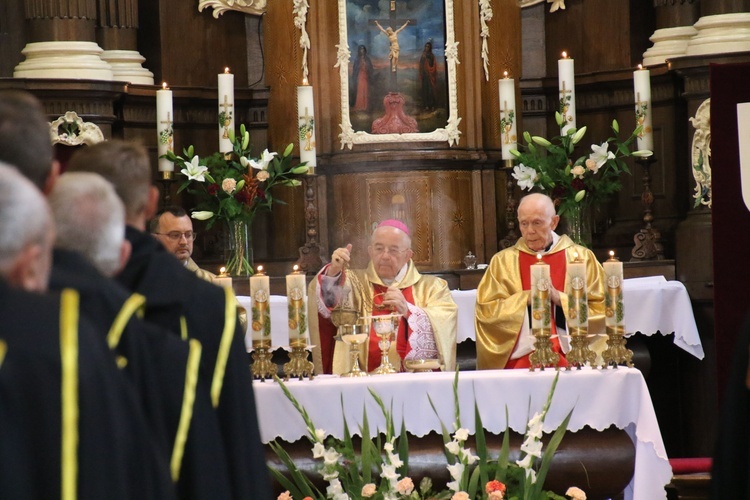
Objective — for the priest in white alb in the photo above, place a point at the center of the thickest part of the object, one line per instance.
(390, 284)
(502, 324)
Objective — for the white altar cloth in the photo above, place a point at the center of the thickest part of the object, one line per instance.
(651, 305)
(600, 398)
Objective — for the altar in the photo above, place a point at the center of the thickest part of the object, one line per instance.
(599, 399)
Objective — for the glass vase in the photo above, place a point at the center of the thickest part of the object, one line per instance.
(238, 249)
(578, 224)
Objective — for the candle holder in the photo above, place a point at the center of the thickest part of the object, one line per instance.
(262, 367)
(384, 326)
(166, 180)
(511, 237)
(543, 355)
(354, 336)
(648, 240)
(298, 365)
(580, 352)
(616, 353)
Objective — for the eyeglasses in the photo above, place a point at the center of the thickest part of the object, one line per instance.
(395, 251)
(176, 235)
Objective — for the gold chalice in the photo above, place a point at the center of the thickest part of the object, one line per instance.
(421, 365)
(384, 326)
(354, 336)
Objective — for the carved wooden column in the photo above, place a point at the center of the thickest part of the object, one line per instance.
(62, 41)
(674, 28)
(116, 32)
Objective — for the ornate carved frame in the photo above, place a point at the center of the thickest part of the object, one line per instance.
(71, 130)
(450, 133)
(254, 7)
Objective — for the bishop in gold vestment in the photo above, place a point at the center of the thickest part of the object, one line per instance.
(391, 282)
(502, 325)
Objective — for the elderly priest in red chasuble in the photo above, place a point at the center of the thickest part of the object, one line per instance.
(502, 321)
(390, 284)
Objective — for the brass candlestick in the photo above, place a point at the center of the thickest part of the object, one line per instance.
(541, 318)
(543, 355)
(616, 353)
(580, 353)
(262, 367)
(298, 365)
(648, 240)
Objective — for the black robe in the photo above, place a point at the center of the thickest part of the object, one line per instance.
(730, 477)
(70, 424)
(157, 364)
(186, 305)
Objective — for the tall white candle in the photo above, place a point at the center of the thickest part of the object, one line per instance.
(164, 127)
(260, 310)
(223, 279)
(306, 124)
(567, 103)
(226, 110)
(578, 306)
(507, 91)
(541, 313)
(614, 311)
(296, 293)
(642, 92)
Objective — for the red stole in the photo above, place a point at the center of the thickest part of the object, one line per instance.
(402, 335)
(557, 264)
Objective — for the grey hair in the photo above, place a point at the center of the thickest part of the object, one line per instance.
(24, 216)
(539, 199)
(90, 219)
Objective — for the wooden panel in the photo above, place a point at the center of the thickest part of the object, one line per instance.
(437, 207)
(12, 35)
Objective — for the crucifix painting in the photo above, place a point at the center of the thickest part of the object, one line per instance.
(397, 76)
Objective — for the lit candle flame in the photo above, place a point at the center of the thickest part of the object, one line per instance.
(305, 81)
(226, 70)
(539, 257)
(505, 74)
(575, 255)
(223, 271)
(260, 269)
(611, 254)
(295, 268)
(640, 66)
(164, 86)
(564, 55)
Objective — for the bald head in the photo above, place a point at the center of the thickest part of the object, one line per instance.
(537, 220)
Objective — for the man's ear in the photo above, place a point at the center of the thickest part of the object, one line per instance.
(152, 204)
(126, 249)
(554, 222)
(49, 182)
(24, 273)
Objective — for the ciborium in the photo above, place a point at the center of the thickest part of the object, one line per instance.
(354, 336)
(384, 326)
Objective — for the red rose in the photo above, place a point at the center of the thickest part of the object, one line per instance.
(578, 184)
(261, 194)
(242, 197)
(212, 189)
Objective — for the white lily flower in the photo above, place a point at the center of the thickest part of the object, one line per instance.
(532, 447)
(330, 475)
(334, 488)
(456, 470)
(600, 155)
(263, 161)
(320, 435)
(389, 473)
(193, 171)
(331, 457)
(341, 496)
(525, 463)
(318, 450)
(556, 4)
(453, 447)
(202, 215)
(388, 447)
(461, 435)
(524, 176)
(452, 485)
(532, 474)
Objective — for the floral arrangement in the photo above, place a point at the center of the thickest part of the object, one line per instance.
(380, 470)
(233, 187)
(546, 165)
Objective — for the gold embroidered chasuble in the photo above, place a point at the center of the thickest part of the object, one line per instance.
(430, 293)
(190, 265)
(502, 302)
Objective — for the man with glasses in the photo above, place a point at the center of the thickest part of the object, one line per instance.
(174, 229)
(390, 284)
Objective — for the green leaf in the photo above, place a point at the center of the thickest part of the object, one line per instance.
(502, 459)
